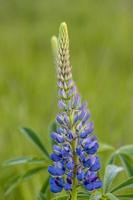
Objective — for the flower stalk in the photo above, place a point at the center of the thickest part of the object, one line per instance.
(74, 154)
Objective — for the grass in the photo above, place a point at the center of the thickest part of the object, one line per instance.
(101, 55)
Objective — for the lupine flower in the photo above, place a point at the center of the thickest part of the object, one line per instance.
(74, 155)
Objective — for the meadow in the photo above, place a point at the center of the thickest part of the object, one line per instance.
(101, 44)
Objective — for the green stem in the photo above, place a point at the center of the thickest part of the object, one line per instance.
(75, 159)
(74, 194)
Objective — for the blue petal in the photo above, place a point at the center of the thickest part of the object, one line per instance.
(97, 184)
(70, 165)
(67, 186)
(93, 185)
(56, 137)
(80, 175)
(89, 127)
(55, 171)
(78, 151)
(96, 166)
(55, 157)
(89, 186)
(87, 162)
(56, 184)
(61, 104)
(86, 117)
(57, 149)
(93, 149)
(59, 119)
(70, 135)
(84, 134)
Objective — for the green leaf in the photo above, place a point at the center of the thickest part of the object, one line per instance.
(45, 186)
(32, 172)
(129, 196)
(111, 172)
(105, 147)
(127, 163)
(15, 181)
(41, 196)
(110, 196)
(111, 159)
(35, 139)
(23, 160)
(124, 150)
(60, 197)
(83, 195)
(128, 149)
(125, 185)
(96, 196)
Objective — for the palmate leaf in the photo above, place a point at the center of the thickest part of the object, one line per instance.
(125, 185)
(111, 172)
(110, 196)
(35, 139)
(15, 181)
(24, 160)
(127, 149)
(105, 148)
(127, 163)
(125, 154)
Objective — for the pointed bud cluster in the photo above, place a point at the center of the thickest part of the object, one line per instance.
(74, 153)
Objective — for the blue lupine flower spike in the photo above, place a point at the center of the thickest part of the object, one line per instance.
(74, 155)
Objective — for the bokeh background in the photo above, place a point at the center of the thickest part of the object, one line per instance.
(101, 36)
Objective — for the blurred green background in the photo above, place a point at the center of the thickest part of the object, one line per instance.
(101, 36)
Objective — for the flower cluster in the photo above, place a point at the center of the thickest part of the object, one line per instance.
(74, 154)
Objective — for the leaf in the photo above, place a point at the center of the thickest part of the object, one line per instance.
(60, 197)
(125, 196)
(45, 186)
(128, 149)
(82, 191)
(110, 196)
(83, 195)
(23, 160)
(105, 147)
(127, 163)
(35, 139)
(31, 172)
(96, 196)
(15, 181)
(111, 172)
(41, 196)
(124, 150)
(111, 159)
(125, 185)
